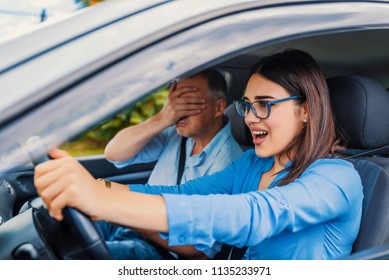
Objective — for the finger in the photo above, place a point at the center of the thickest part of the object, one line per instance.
(189, 107)
(47, 184)
(46, 181)
(56, 206)
(189, 100)
(190, 97)
(57, 153)
(185, 90)
(178, 92)
(49, 194)
(188, 114)
(185, 114)
(51, 165)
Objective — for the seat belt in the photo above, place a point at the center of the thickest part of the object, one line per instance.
(381, 151)
(229, 252)
(181, 163)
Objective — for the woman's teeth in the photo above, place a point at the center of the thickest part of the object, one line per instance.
(259, 134)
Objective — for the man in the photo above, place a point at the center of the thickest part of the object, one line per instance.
(194, 110)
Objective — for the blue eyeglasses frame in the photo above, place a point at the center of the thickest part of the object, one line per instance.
(249, 106)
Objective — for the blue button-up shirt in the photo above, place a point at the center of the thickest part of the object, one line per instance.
(165, 148)
(315, 217)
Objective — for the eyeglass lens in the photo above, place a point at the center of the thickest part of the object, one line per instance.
(260, 109)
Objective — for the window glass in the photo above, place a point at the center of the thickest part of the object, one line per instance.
(93, 142)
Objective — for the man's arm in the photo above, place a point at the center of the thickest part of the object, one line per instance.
(129, 141)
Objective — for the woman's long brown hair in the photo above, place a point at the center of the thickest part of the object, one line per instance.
(300, 75)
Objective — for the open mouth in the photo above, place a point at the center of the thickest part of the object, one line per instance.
(259, 134)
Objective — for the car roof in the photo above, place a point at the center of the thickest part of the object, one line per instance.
(100, 25)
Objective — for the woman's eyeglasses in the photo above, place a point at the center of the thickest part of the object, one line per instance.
(260, 109)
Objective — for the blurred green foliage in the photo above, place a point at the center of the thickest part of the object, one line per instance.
(94, 141)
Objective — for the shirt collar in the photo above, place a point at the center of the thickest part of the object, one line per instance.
(280, 175)
(268, 164)
(216, 144)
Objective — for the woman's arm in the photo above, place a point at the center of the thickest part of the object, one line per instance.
(220, 182)
(63, 182)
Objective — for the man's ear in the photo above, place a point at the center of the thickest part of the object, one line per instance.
(221, 105)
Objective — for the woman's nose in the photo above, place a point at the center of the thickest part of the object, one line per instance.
(251, 118)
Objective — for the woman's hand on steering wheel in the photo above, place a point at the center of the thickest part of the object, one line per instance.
(63, 182)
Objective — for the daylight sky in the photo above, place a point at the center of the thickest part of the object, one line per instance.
(19, 15)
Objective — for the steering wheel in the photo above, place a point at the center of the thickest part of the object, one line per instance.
(81, 227)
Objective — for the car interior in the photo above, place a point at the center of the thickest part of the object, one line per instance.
(358, 80)
(360, 122)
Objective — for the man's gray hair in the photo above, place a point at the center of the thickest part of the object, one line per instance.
(216, 82)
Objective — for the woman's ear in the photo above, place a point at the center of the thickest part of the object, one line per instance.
(304, 113)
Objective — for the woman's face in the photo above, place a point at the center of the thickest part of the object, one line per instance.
(271, 136)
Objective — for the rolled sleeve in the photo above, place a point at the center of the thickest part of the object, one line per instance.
(180, 226)
(204, 221)
(150, 152)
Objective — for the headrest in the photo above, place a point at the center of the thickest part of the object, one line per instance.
(239, 128)
(361, 108)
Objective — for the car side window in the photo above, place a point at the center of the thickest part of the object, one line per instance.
(93, 142)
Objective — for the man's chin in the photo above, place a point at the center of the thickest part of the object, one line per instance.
(182, 131)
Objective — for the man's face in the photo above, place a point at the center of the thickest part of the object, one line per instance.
(198, 125)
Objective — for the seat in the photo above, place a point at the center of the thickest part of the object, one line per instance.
(239, 129)
(365, 124)
(364, 121)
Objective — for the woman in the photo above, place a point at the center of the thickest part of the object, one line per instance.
(289, 198)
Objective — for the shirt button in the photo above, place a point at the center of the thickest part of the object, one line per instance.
(283, 202)
(181, 239)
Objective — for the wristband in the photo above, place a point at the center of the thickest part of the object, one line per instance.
(107, 183)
